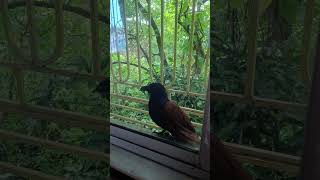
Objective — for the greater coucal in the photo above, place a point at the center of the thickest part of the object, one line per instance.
(168, 115)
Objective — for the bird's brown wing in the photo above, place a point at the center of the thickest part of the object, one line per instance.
(178, 123)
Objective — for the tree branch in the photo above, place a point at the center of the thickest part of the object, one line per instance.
(156, 32)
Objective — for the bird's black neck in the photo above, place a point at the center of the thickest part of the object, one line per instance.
(159, 99)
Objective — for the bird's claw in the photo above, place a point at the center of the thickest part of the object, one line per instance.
(162, 133)
(157, 131)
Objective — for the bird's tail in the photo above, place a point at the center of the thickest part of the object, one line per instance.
(224, 165)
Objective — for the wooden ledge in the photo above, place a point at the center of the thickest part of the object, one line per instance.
(139, 167)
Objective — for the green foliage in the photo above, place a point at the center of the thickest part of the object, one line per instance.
(54, 91)
(200, 41)
(278, 76)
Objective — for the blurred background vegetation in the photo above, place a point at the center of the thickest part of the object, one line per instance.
(55, 91)
(278, 75)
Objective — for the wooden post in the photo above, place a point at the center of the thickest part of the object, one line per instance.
(310, 168)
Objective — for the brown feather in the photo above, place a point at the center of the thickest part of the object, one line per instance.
(178, 123)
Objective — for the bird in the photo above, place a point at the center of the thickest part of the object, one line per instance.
(168, 115)
(223, 164)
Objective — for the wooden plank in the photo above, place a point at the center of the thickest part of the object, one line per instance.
(145, 169)
(98, 156)
(155, 145)
(126, 163)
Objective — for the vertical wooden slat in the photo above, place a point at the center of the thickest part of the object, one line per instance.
(138, 41)
(95, 36)
(252, 36)
(33, 35)
(175, 41)
(149, 33)
(306, 41)
(162, 48)
(7, 26)
(59, 29)
(191, 46)
(19, 76)
(126, 37)
(58, 51)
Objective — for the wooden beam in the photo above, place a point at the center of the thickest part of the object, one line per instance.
(55, 115)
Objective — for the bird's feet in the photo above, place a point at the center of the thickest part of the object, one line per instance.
(162, 133)
(158, 131)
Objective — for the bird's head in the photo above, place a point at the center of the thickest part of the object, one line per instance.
(155, 90)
